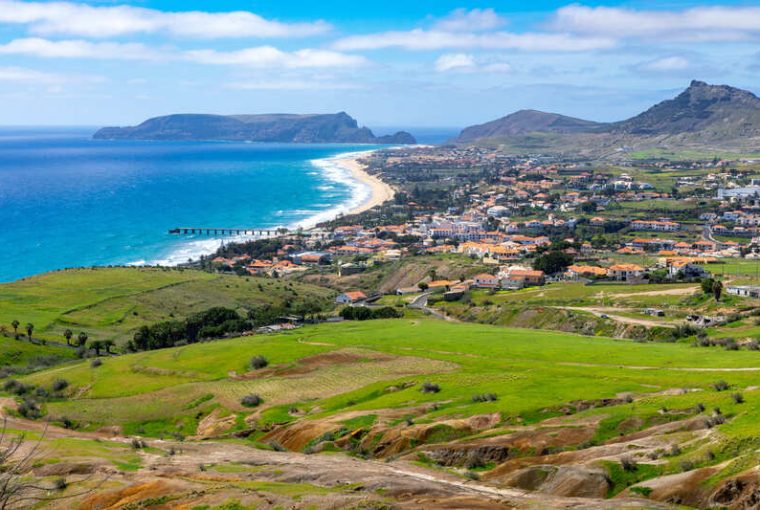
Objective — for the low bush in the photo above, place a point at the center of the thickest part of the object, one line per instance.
(259, 362)
(60, 385)
(628, 464)
(485, 397)
(251, 400)
(362, 313)
(428, 387)
(720, 385)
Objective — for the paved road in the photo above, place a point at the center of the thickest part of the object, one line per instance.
(421, 303)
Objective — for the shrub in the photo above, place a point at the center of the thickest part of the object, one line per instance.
(251, 400)
(485, 397)
(60, 385)
(687, 465)
(720, 385)
(137, 443)
(96, 363)
(259, 362)
(699, 408)
(628, 464)
(428, 387)
(16, 387)
(274, 445)
(60, 484)
(738, 398)
(29, 409)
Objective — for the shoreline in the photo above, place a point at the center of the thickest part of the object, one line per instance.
(368, 191)
(380, 191)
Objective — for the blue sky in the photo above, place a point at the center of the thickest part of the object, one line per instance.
(390, 63)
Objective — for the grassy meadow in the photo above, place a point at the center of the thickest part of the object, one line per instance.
(167, 391)
(111, 303)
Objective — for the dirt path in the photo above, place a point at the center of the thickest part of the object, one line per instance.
(677, 369)
(610, 313)
(683, 291)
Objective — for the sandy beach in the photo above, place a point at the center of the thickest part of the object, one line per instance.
(379, 191)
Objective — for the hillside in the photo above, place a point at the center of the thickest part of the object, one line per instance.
(527, 121)
(491, 418)
(111, 303)
(709, 118)
(282, 128)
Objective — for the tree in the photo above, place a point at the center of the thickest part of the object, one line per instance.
(717, 290)
(29, 330)
(423, 286)
(81, 339)
(707, 285)
(97, 345)
(15, 324)
(107, 345)
(67, 335)
(552, 262)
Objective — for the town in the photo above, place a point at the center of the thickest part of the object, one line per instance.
(514, 222)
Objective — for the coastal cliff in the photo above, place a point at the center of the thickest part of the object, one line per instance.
(283, 128)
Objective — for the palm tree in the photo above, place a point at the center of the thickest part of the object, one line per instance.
(15, 325)
(29, 330)
(67, 335)
(82, 339)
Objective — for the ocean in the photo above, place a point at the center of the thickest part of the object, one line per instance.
(69, 201)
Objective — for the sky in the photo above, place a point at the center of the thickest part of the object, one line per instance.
(426, 63)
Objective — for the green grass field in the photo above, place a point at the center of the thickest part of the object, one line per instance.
(521, 366)
(110, 303)
(20, 353)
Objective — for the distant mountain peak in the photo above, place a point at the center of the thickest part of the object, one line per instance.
(701, 114)
(527, 121)
(697, 107)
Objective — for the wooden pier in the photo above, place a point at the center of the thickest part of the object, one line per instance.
(259, 232)
(249, 232)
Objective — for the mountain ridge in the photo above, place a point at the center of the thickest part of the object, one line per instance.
(701, 115)
(278, 127)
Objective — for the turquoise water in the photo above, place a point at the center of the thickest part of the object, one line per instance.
(69, 201)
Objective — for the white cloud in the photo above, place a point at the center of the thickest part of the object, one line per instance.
(474, 20)
(667, 64)
(454, 61)
(269, 56)
(35, 77)
(36, 47)
(419, 39)
(84, 20)
(695, 24)
(467, 63)
(260, 56)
